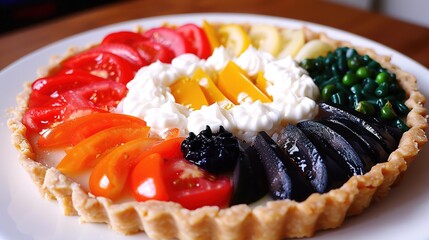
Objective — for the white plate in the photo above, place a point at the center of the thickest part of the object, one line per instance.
(24, 214)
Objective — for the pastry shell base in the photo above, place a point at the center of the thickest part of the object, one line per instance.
(273, 220)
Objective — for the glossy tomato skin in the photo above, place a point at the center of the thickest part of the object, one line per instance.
(152, 51)
(124, 51)
(70, 133)
(64, 96)
(68, 105)
(86, 154)
(50, 87)
(147, 181)
(197, 38)
(103, 64)
(123, 37)
(104, 95)
(170, 39)
(193, 188)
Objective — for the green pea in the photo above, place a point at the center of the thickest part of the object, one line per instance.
(387, 112)
(394, 88)
(351, 52)
(320, 79)
(357, 88)
(374, 65)
(382, 90)
(401, 125)
(366, 59)
(382, 77)
(400, 108)
(319, 65)
(369, 85)
(330, 59)
(308, 64)
(328, 91)
(350, 79)
(354, 63)
(334, 70)
(332, 80)
(355, 99)
(363, 72)
(342, 64)
(339, 98)
(342, 88)
(366, 107)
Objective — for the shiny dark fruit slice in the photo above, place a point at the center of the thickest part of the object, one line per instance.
(374, 126)
(369, 140)
(249, 178)
(300, 149)
(284, 177)
(362, 147)
(329, 141)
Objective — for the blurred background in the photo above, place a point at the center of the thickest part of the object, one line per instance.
(16, 14)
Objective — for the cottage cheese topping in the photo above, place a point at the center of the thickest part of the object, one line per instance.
(218, 60)
(253, 61)
(213, 116)
(291, 88)
(186, 64)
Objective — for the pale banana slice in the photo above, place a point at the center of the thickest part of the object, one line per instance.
(313, 49)
(265, 38)
(293, 40)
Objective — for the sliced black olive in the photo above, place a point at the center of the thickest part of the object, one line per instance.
(284, 177)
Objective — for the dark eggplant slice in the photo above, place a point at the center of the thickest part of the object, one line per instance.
(373, 141)
(284, 177)
(362, 147)
(334, 145)
(306, 156)
(249, 178)
(377, 128)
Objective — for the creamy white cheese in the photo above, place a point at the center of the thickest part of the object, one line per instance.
(291, 88)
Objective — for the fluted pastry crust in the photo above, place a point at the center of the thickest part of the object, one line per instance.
(274, 220)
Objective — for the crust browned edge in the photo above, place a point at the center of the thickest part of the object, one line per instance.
(275, 220)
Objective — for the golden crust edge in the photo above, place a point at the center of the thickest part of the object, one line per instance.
(275, 220)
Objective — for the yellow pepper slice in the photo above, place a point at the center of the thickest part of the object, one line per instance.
(211, 34)
(237, 87)
(187, 92)
(262, 84)
(210, 90)
(234, 38)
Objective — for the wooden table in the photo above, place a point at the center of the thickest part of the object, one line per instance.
(411, 40)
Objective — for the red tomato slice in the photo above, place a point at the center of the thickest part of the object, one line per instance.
(197, 38)
(123, 37)
(125, 51)
(72, 132)
(152, 51)
(68, 105)
(87, 153)
(109, 176)
(194, 188)
(147, 181)
(103, 94)
(43, 89)
(103, 64)
(169, 38)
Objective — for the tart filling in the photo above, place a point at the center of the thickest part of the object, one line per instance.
(273, 220)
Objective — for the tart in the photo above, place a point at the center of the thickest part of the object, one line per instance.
(285, 214)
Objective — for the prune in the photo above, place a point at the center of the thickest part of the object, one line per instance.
(306, 156)
(327, 140)
(284, 177)
(214, 152)
(249, 178)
